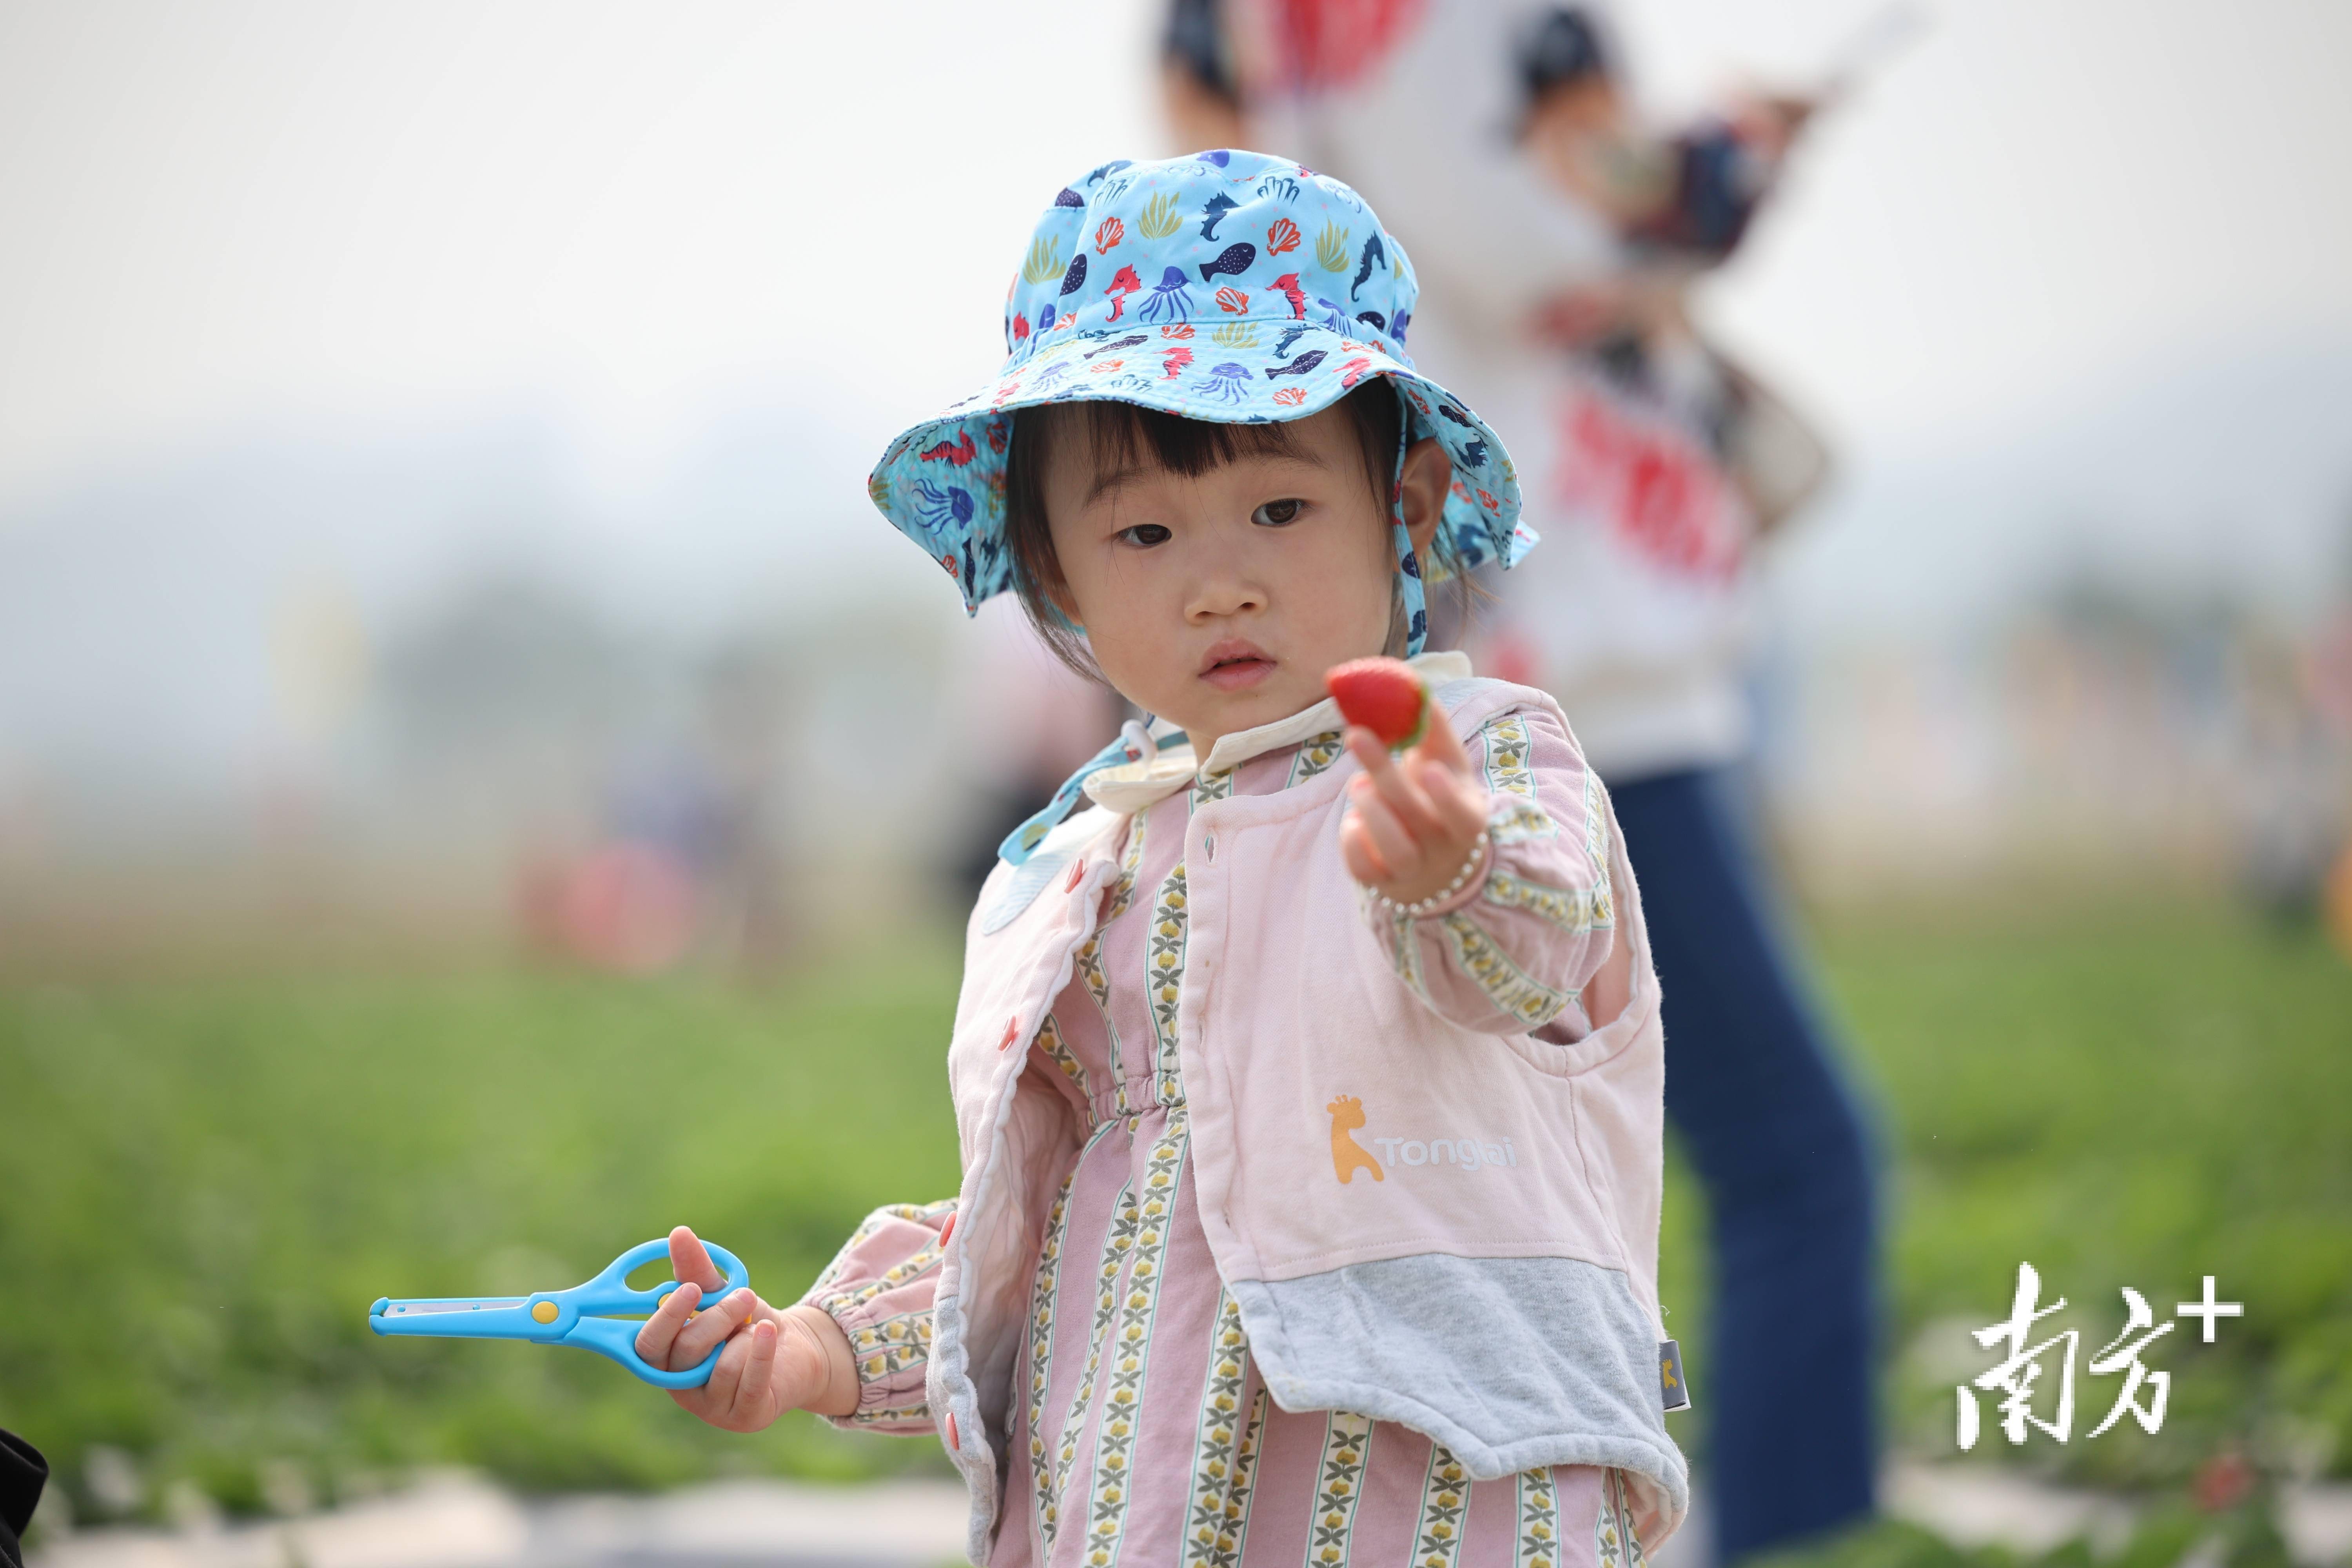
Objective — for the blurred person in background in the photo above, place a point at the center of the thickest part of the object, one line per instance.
(1556, 239)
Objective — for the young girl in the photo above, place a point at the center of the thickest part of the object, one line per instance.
(1309, 1101)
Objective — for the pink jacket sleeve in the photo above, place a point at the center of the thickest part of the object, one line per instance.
(1512, 952)
(878, 1289)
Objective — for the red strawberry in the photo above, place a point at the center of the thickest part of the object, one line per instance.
(1384, 696)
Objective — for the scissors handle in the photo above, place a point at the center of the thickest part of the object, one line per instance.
(580, 1320)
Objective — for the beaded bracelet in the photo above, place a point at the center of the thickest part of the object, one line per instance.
(1420, 907)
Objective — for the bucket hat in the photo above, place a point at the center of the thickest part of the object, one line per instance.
(1227, 286)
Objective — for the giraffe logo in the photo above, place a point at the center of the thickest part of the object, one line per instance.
(1348, 1155)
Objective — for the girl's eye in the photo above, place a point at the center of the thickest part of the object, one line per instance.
(1146, 534)
(1278, 513)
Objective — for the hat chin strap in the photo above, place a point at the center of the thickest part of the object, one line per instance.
(1416, 602)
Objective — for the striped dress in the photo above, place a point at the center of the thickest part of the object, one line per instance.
(1142, 1430)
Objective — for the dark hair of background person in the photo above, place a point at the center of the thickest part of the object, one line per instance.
(1123, 433)
(1194, 42)
(23, 1474)
(1561, 49)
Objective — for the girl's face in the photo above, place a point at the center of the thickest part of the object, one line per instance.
(1218, 601)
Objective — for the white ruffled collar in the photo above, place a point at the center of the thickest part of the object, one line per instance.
(1132, 787)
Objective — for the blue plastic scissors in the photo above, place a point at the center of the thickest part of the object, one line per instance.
(582, 1316)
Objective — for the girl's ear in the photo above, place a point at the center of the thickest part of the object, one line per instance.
(1428, 476)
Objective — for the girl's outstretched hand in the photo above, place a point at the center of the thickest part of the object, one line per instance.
(774, 1361)
(1414, 818)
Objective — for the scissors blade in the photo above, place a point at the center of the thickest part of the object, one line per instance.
(467, 1317)
(464, 1304)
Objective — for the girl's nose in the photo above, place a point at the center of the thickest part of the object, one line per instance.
(1224, 593)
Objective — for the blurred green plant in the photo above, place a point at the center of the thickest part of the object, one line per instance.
(208, 1183)
(2135, 1093)
(203, 1183)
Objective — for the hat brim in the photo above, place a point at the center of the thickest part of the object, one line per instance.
(942, 482)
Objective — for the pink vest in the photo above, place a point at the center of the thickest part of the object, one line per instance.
(1495, 1287)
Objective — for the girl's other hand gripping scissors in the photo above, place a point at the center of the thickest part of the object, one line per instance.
(584, 1315)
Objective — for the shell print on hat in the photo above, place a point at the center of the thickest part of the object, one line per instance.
(1227, 285)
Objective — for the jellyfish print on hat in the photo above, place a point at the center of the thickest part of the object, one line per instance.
(1227, 381)
(1168, 295)
(944, 506)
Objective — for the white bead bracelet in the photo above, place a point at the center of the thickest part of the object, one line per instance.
(1420, 907)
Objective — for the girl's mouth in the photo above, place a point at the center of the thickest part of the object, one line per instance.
(1234, 665)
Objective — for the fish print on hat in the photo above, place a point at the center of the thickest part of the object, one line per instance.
(1232, 262)
(1305, 295)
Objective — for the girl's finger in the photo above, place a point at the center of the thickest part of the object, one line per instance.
(1369, 753)
(759, 1373)
(1406, 793)
(1459, 803)
(725, 1316)
(1364, 862)
(726, 1381)
(1441, 745)
(1397, 849)
(1396, 787)
(660, 1332)
(690, 1260)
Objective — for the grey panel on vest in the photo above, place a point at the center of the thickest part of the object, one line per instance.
(1560, 1371)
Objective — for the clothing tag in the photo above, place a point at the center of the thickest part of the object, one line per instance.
(1670, 1387)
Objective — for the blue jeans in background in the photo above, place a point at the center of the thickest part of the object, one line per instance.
(1785, 1384)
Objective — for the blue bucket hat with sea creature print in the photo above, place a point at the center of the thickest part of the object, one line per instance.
(1227, 285)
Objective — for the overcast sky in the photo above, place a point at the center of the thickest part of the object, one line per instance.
(220, 214)
(307, 304)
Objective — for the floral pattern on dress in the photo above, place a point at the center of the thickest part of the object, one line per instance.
(1223, 1450)
(1512, 815)
(1164, 977)
(1050, 1041)
(1402, 941)
(1510, 988)
(920, 1263)
(1126, 1222)
(892, 1345)
(1041, 1353)
(1614, 1540)
(1444, 1500)
(1538, 1537)
(905, 1417)
(1346, 1449)
(1131, 1353)
(1570, 909)
(1510, 820)
(884, 1311)
(1120, 898)
(1317, 753)
(1505, 738)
